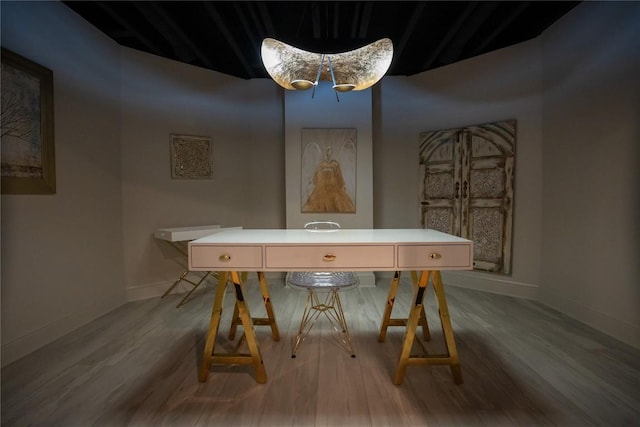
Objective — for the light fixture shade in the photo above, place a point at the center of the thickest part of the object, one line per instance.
(294, 68)
(302, 84)
(344, 87)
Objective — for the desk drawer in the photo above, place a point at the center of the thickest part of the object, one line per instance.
(330, 257)
(435, 256)
(225, 257)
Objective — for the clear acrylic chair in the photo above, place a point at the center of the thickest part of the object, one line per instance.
(322, 295)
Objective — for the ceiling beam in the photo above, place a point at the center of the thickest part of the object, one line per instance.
(224, 29)
(335, 24)
(151, 46)
(183, 47)
(398, 47)
(265, 17)
(521, 6)
(365, 20)
(316, 24)
(455, 48)
(254, 38)
(444, 41)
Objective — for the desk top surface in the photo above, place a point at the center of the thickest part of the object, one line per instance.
(342, 236)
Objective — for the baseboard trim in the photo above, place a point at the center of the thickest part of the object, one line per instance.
(154, 290)
(618, 329)
(38, 338)
(621, 330)
(367, 279)
(472, 280)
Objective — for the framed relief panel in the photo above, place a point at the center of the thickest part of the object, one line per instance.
(467, 188)
(191, 157)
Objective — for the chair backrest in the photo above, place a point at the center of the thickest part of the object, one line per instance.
(322, 226)
(317, 279)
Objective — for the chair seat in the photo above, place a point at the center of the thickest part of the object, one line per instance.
(319, 280)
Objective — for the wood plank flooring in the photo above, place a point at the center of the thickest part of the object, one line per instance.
(522, 364)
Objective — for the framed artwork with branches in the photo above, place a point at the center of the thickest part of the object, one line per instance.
(27, 138)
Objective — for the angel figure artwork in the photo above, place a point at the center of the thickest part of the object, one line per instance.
(328, 171)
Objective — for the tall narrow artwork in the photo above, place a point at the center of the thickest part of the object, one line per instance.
(467, 188)
(28, 163)
(328, 178)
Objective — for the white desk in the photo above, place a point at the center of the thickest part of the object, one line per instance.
(396, 250)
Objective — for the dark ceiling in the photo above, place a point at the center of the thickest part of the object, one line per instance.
(226, 35)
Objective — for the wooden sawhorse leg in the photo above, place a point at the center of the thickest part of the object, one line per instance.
(270, 320)
(415, 315)
(210, 356)
(387, 320)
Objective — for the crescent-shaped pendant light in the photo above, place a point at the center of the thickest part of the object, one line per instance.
(358, 69)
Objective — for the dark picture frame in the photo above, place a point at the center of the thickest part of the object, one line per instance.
(27, 140)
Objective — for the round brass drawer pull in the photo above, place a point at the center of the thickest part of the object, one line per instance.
(329, 257)
(225, 258)
(434, 255)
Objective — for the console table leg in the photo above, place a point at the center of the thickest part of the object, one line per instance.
(195, 286)
(180, 279)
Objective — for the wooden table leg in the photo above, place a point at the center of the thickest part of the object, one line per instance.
(254, 357)
(412, 324)
(235, 318)
(270, 320)
(386, 317)
(247, 325)
(451, 357)
(443, 309)
(426, 335)
(271, 317)
(216, 314)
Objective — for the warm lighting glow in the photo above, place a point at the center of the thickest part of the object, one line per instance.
(302, 84)
(345, 87)
(297, 69)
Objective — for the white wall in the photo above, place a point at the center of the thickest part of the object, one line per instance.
(352, 111)
(69, 257)
(62, 253)
(500, 85)
(591, 187)
(324, 111)
(243, 119)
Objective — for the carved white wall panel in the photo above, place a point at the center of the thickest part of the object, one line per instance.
(466, 188)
